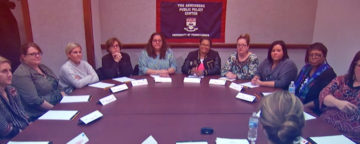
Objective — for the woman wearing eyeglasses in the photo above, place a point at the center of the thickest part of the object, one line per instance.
(37, 85)
(116, 63)
(314, 76)
(242, 64)
(75, 72)
(157, 58)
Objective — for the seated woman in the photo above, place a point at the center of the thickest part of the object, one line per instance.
(37, 85)
(242, 64)
(13, 118)
(203, 61)
(314, 76)
(282, 117)
(116, 63)
(277, 70)
(340, 101)
(157, 58)
(75, 72)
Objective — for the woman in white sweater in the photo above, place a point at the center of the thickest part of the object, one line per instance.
(75, 72)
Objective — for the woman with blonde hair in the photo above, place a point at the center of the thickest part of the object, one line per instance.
(282, 117)
(75, 72)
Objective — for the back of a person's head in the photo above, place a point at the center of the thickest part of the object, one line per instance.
(282, 117)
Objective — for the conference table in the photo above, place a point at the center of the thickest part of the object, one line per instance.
(170, 112)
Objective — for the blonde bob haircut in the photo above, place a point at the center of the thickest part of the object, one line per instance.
(70, 46)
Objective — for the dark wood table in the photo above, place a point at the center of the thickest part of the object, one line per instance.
(169, 112)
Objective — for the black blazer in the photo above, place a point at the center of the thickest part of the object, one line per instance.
(112, 69)
(212, 63)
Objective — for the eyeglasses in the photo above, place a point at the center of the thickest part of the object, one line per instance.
(241, 45)
(157, 41)
(35, 54)
(315, 55)
(115, 46)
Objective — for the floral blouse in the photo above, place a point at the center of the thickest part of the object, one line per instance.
(243, 70)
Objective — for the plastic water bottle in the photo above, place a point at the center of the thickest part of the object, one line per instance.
(292, 88)
(253, 125)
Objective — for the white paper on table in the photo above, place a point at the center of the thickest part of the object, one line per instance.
(246, 97)
(192, 142)
(191, 80)
(150, 140)
(58, 115)
(123, 79)
(139, 82)
(308, 116)
(248, 84)
(335, 139)
(231, 141)
(236, 86)
(28, 142)
(101, 85)
(217, 82)
(162, 79)
(228, 79)
(267, 93)
(75, 99)
(80, 139)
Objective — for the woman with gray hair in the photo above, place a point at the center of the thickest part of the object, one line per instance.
(75, 72)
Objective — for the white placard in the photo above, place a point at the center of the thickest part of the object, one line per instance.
(75, 99)
(139, 82)
(123, 79)
(108, 99)
(119, 88)
(101, 85)
(246, 97)
(217, 82)
(58, 115)
(231, 141)
(266, 93)
(28, 142)
(249, 84)
(150, 140)
(91, 117)
(80, 139)
(192, 142)
(191, 80)
(236, 86)
(308, 116)
(162, 79)
(336, 139)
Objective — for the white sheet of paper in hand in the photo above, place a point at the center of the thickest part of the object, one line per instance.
(58, 115)
(192, 142)
(150, 140)
(308, 116)
(28, 142)
(75, 99)
(217, 82)
(101, 85)
(335, 139)
(139, 82)
(191, 80)
(248, 84)
(80, 139)
(123, 79)
(231, 141)
(246, 97)
(236, 86)
(162, 79)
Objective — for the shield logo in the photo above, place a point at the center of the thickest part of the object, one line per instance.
(190, 25)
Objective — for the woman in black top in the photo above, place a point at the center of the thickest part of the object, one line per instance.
(116, 63)
(203, 61)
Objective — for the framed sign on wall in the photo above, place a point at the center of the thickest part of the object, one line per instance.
(189, 20)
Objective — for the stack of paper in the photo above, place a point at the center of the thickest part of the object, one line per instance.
(59, 115)
(336, 139)
(249, 84)
(75, 99)
(231, 141)
(101, 85)
(123, 79)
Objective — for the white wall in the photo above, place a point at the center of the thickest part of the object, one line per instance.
(55, 23)
(337, 26)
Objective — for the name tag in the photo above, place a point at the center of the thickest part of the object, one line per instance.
(139, 82)
(80, 139)
(246, 97)
(119, 88)
(91, 117)
(217, 82)
(191, 80)
(162, 79)
(236, 87)
(108, 99)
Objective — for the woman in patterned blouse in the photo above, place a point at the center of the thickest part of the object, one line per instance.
(157, 58)
(340, 101)
(242, 64)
